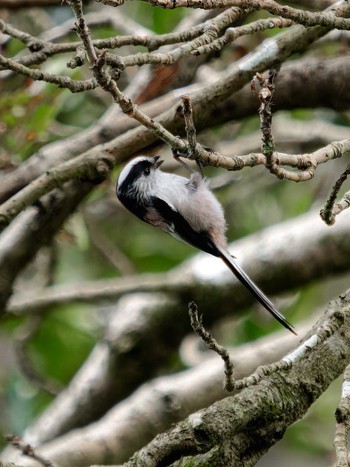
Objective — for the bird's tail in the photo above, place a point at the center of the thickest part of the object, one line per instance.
(255, 291)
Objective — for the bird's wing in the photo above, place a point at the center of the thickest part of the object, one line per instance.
(168, 219)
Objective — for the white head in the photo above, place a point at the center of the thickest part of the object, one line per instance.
(138, 176)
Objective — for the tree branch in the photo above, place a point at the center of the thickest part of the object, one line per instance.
(306, 18)
(210, 342)
(38, 75)
(331, 210)
(32, 229)
(342, 417)
(226, 432)
(156, 405)
(112, 371)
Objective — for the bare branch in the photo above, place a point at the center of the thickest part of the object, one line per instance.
(38, 75)
(95, 165)
(210, 342)
(231, 34)
(331, 210)
(54, 178)
(32, 229)
(27, 450)
(342, 417)
(140, 319)
(156, 405)
(215, 430)
(306, 18)
(267, 89)
(42, 49)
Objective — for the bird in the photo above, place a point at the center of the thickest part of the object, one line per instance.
(188, 210)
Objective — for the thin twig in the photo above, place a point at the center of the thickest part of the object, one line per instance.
(188, 42)
(83, 165)
(306, 18)
(267, 89)
(233, 33)
(322, 334)
(190, 130)
(210, 342)
(272, 158)
(109, 84)
(331, 210)
(38, 75)
(27, 450)
(189, 124)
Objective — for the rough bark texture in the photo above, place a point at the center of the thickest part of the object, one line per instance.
(238, 430)
(127, 356)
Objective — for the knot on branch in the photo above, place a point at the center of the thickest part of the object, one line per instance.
(331, 326)
(171, 402)
(4, 222)
(342, 413)
(305, 162)
(327, 217)
(103, 167)
(100, 60)
(79, 58)
(127, 105)
(201, 433)
(36, 46)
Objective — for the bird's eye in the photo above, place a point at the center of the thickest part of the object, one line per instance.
(147, 171)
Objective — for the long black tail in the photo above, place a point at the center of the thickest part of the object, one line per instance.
(256, 292)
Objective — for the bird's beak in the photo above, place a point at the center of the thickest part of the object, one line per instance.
(157, 162)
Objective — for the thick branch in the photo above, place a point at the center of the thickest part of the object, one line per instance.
(33, 229)
(95, 164)
(112, 371)
(296, 87)
(227, 431)
(230, 426)
(342, 417)
(158, 404)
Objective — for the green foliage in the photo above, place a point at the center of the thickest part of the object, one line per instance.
(26, 120)
(24, 402)
(62, 343)
(157, 19)
(64, 340)
(14, 46)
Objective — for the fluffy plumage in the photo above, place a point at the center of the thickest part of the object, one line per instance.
(187, 210)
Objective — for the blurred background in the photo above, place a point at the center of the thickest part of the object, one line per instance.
(103, 241)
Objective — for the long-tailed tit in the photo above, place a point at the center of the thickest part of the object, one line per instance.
(187, 210)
